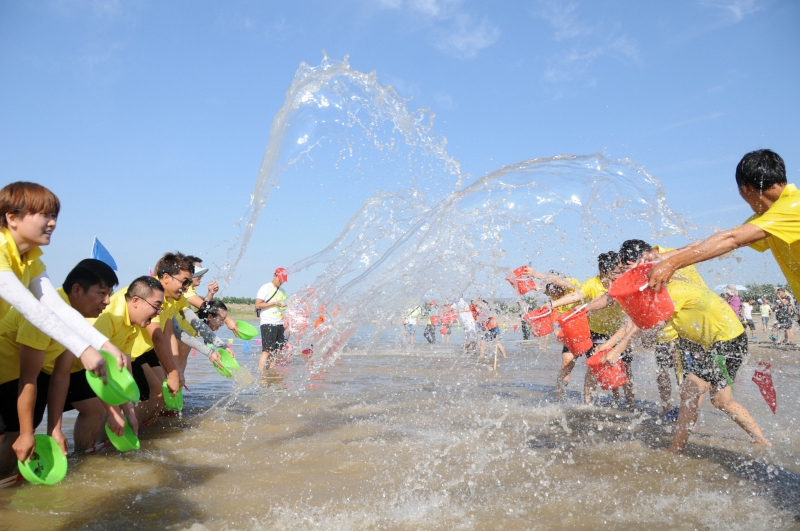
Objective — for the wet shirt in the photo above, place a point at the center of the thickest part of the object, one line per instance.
(701, 316)
(569, 307)
(15, 330)
(782, 222)
(608, 320)
(25, 267)
(688, 274)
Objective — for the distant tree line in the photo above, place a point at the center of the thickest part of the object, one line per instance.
(762, 291)
(237, 300)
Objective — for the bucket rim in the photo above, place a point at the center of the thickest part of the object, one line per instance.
(572, 313)
(645, 267)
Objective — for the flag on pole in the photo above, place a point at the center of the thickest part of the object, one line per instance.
(101, 253)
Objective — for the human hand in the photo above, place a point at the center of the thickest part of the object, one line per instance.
(661, 274)
(130, 414)
(122, 359)
(229, 349)
(213, 287)
(174, 382)
(116, 422)
(62, 441)
(95, 363)
(24, 446)
(215, 359)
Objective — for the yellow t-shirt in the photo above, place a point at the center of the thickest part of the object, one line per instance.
(142, 342)
(115, 323)
(689, 274)
(15, 330)
(26, 267)
(782, 222)
(608, 320)
(701, 316)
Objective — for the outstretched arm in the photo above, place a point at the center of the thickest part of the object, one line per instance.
(713, 246)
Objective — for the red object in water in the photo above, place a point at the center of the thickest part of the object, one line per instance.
(609, 376)
(645, 307)
(575, 327)
(443, 330)
(434, 320)
(763, 379)
(449, 318)
(540, 321)
(521, 282)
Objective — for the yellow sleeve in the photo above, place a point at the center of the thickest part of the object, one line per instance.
(782, 220)
(104, 325)
(37, 267)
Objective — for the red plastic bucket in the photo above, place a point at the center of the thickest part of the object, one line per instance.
(434, 320)
(645, 307)
(609, 376)
(540, 321)
(444, 331)
(575, 327)
(521, 282)
(449, 318)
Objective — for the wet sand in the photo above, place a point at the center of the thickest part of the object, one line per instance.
(424, 437)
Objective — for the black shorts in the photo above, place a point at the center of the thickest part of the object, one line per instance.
(9, 391)
(272, 337)
(664, 357)
(783, 324)
(750, 323)
(703, 362)
(491, 334)
(150, 359)
(78, 389)
(599, 339)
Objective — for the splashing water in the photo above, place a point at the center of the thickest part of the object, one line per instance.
(413, 236)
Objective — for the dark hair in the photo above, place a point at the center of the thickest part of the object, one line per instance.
(607, 262)
(632, 250)
(194, 259)
(90, 272)
(173, 264)
(761, 169)
(22, 198)
(143, 287)
(554, 290)
(211, 307)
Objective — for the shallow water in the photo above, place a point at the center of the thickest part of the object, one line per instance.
(392, 436)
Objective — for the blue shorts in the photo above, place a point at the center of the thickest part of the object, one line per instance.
(492, 334)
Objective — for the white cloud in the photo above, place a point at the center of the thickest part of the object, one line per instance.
(466, 37)
(454, 30)
(734, 10)
(584, 44)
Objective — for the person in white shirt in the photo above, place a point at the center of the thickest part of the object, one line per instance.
(468, 323)
(271, 303)
(747, 317)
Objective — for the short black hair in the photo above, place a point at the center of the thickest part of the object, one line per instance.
(173, 263)
(554, 290)
(632, 250)
(211, 307)
(607, 262)
(761, 169)
(90, 272)
(143, 287)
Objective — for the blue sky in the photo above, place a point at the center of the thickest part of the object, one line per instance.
(150, 119)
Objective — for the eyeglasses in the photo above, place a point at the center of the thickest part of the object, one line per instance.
(158, 309)
(184, 283)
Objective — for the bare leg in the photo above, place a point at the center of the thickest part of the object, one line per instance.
(501, 349)
(562, 380)
(88, 424)
(262, 361)
(723, 400)
(155, 377)
(628, 387)
(589, 385)
(691, 391)
(664, 389)
(483, 347)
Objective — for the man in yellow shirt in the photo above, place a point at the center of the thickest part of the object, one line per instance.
(714, 344)
(30, 381)
(152, 356)
(603, 323)
(761, 179)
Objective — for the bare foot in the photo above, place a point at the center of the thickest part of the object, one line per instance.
(762, 441)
